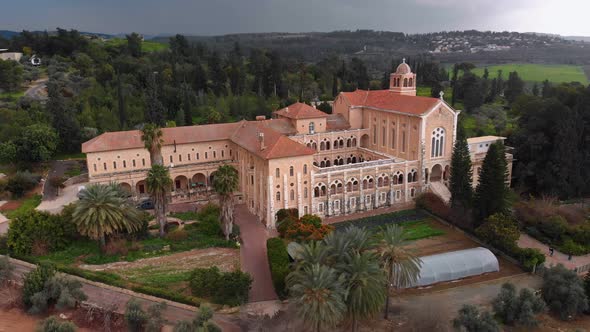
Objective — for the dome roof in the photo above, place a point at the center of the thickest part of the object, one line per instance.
(403, 68)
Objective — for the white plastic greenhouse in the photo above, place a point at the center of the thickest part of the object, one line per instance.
(456, 265)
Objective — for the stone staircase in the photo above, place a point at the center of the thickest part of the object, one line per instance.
(441, 190)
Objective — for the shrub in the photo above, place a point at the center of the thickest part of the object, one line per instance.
(285, 224)
(62, 291)
(278, 260)
(554, 228)
(6, 269)
(522, 309)
(233, 288)
(530, 257)
(310, 219)
(39, 228)
(229, 288)
(500, 231)
(471, 320)
(209, 225)
(286, 213)
(21, 182)
(116, 246)
(135, 317)
(53, 324)
(177, 235)
(166, 294)
(203, 282)
(572, 248)
(155, 320)
(35, 282)
(587, 285)
(564, 293)
(434, 204)
(201, 322)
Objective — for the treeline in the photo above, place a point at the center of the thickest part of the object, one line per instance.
(95, 87)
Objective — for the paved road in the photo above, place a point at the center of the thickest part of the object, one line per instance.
(37, 90)
(253, 254)
(106, 296)
(58, 168)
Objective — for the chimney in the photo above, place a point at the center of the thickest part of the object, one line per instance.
(261, 139)
(260, 118)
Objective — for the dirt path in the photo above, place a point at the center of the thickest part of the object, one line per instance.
(526, 241)
(37, 89)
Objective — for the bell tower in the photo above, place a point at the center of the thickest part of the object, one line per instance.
(403, 81)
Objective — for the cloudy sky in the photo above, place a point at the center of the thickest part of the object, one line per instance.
(200, 17)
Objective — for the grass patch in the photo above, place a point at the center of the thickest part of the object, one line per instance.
(146, 46)
(538, 72)
(420, 230)
(75, 170)
(12, 95)
(29, 204)
(190, 215)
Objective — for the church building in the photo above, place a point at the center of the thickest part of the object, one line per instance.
(377, 149)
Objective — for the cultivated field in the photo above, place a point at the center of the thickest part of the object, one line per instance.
(146, 45)
(538, 72)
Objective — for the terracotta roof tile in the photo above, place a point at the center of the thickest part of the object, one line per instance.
(388, 100)
(300, 111)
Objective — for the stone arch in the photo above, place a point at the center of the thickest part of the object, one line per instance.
(447, 173)
(199, 180)
(365, 141)
(180, 183)
(126, 187)
(352, 185)
(436, 173)
(141, 187)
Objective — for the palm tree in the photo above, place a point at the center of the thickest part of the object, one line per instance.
(151, 136)
(225, 182)
(365, 284)
(158, 183)
(102, 211)
(400, 265)
(318, 294)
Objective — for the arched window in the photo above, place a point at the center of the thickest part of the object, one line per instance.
(322, 146)
(305, 192)
(405, 82)
(438, 142)
(314, 146)
(292, 195)
(400, 180)
(328, 145)
(312, 128)
(304, 168)
(278, 173)
(410, 83)
(278, 196)
(291, 171)
(354, 142)
(335, 144)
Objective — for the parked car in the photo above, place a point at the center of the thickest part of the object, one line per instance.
(147, 204)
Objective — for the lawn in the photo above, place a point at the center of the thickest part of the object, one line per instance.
(538, 72)
(146, 45)
(415, 222)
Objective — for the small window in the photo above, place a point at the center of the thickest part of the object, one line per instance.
(143, 162)
(197, 156)
(305, 193)
(214, 154)
(205, 155)
(95, 167)
(171, 159)
(277, 173)
(188, 156)
(305, 169)
(105, 166)
(312, 128)
(252, 179)
(124, 164)
(134, 163)
(291, 171)
(292, 195)
(114, 165)
(179, 158)
(222, 153)
(278, 196)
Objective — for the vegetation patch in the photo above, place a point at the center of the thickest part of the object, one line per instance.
(539, 72)
(278, 259)
(27, 205)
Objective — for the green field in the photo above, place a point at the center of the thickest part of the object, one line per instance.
(146, 45)
(538, 72)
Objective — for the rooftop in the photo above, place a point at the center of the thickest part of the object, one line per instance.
(389, 100)
(484, 139)
(300, 111)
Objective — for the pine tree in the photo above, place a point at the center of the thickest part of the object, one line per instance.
(461, 175)
(535, 90)
(63, 119)
(514, 87)
(154, 110)
(491, 194)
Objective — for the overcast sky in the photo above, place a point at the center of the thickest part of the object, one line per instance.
(200, 17)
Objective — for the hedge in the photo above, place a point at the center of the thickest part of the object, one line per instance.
(278, 260)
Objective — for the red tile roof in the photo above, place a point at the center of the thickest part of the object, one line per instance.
(300, 111)
(244, 134)
(388, 100)
(336, 122)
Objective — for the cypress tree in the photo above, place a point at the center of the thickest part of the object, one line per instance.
(461, 174)
(491, 194)
(154, 111)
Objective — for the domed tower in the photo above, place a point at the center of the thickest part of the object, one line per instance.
(403, 81)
